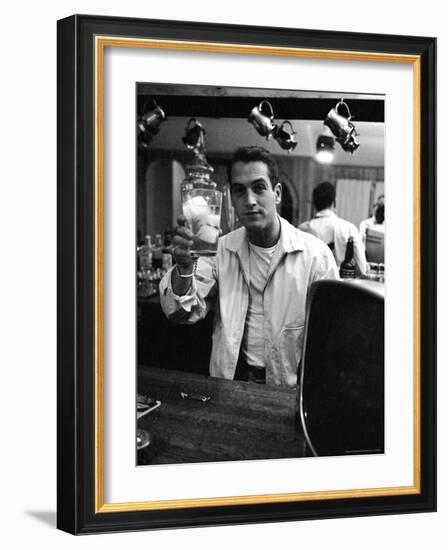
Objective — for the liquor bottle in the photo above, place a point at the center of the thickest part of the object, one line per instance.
(145, 254)
(157, 252)
(167, 259)
(201, 200)
(348, 267)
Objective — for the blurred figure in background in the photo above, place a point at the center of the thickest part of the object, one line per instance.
(331, 229)
(374, 236)
(376, 218)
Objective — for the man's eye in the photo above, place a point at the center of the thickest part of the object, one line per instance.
(237, 190)
(259, 188)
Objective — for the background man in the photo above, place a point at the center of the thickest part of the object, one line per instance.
(258, 280)
(331, 229)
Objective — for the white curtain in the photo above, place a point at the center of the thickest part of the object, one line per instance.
(353, 200)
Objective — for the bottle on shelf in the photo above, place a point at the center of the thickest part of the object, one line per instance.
(167, 259)
(157, 252)
(348, 266)
(145, 254)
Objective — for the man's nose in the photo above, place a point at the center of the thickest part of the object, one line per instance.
(250, 197)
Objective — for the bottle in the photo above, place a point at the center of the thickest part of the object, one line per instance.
(157, 252)
(348, 267)
(201, 204)
(167, 259)
(145, 254)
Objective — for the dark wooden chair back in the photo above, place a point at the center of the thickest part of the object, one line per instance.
(341, 392)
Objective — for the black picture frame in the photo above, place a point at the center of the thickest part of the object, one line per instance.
(79, 494)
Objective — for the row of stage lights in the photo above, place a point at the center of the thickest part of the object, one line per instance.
(337, 127)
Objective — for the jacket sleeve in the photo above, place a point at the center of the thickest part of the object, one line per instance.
(193, 306)
(324, 265)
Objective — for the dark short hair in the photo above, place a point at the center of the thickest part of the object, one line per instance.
(379, 213)
(254, 154)
(324, 195)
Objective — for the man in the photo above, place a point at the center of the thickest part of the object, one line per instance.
(332, 230)
(377, 218)
(258, 280)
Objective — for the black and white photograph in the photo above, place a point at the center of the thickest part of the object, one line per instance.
(260, 273)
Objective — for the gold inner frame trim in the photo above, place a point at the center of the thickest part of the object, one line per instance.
(101, 42)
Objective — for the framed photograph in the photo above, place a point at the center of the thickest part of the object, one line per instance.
(246, 333)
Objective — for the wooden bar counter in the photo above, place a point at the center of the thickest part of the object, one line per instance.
(241, 421)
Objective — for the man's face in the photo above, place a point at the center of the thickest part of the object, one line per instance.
(253, 197)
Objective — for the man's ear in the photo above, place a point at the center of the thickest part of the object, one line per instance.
(278, 193)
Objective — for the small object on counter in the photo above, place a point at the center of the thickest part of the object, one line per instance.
(143, 439)
(375, 272)
(195, 397)
(145, 405)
